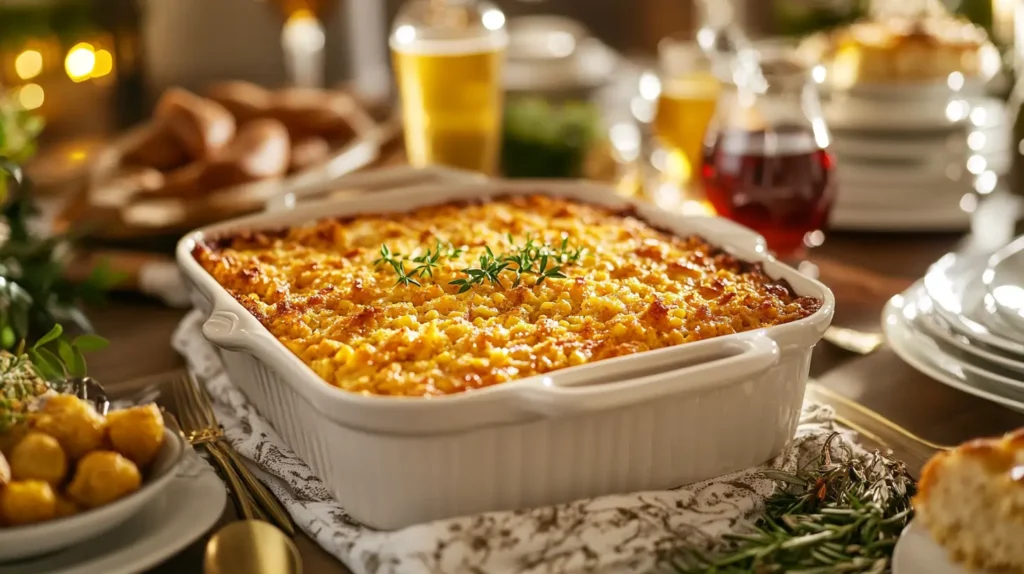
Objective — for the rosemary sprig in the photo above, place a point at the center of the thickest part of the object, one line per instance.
(843, 516)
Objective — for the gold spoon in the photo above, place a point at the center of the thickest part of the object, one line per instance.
(251, 547)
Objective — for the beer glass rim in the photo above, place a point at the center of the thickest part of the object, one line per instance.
(681, 56)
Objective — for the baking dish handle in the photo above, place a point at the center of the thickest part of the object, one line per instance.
(694, 366)
(225, 329)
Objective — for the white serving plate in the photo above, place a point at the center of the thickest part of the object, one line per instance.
(920, 352)
(653, 420)
(955, 284)
(917, 553)
(19, 542)
(939, 330)
(1004, 282)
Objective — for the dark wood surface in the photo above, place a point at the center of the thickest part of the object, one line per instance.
(863, 270)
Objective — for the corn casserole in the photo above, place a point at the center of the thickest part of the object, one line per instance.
(461, 296)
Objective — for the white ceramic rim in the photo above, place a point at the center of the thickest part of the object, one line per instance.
(942, 282)
(916, 552)
(991, 278)
(718, 361)
(939, 329)
(939, 367)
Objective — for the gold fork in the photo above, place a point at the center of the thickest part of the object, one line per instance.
(200, 426)
(875, 427)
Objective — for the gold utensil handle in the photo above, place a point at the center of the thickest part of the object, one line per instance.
(914, 450)
(265, 499)
(246, 506)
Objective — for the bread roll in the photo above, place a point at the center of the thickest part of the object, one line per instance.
(307, 152)
(259, 151)
(971, 499)
(126, 183)
(183, 182)
(246, 101)
(307, 111)
(202, 126)
(156, 147)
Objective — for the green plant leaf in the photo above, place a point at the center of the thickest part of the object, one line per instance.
(80, 369)
(46, 364)
(53, 335)
(73, 362)
(89, 342)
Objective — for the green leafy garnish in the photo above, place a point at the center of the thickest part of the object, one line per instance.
(69, 358)
(46, 365)
(842, 516)
(531, 258)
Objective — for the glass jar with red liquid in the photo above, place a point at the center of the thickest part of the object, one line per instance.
(766, 163)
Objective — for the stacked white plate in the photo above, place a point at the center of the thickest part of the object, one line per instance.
(908, 166)
(963, 324)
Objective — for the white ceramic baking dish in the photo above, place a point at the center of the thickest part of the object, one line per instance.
(653, 420)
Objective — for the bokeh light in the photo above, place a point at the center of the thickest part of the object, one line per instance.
(28, 64)
(80, 61)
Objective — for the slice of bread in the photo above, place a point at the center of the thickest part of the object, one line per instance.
(971, 499)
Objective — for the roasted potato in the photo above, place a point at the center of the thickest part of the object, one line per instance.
(137, 433)
(27, 502)
(39, 456)
(66, 507)
(245, 101)
(102, 477)
(74, 423)
(201, 125)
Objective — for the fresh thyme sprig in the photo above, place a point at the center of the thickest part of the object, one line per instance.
(844, 516)
(531, 258)
(428, 262)
(396, 262)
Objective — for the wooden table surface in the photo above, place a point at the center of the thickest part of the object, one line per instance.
(863, 270)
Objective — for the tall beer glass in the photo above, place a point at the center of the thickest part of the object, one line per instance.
(448, 58)
(686, 105)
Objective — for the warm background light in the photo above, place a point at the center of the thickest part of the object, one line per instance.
(80, 61)
(104, 63)
(31, 96)
(28, 64)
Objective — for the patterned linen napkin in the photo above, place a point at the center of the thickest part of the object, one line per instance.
(621, 533)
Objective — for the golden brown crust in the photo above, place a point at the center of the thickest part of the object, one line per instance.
(635, 288)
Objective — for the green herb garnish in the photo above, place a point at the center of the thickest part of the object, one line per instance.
(46, 365)
(839, 517)
(395, 261)
(531, 258)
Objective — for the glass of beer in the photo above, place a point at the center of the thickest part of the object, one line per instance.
(686, 105)
(448, 58)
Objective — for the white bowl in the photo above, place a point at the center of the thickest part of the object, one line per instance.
(18, 542)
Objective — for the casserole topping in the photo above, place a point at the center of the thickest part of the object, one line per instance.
(455, 297)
